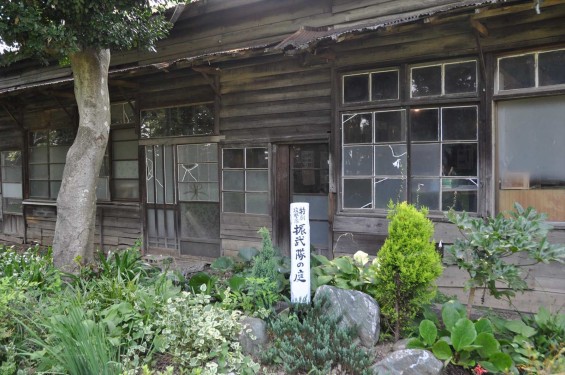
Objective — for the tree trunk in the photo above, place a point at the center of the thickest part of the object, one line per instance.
(470, 301)
(76, 202)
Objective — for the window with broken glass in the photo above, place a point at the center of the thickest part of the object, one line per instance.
(245, 180)
(415, 140)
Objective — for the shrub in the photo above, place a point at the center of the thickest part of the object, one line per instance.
(310, 341)
(265, 262)
(536, 343)
(486, 243)
(462, 341)
(406, 266)
(200, 335)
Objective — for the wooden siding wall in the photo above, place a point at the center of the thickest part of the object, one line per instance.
(439, 40)
(265, 101)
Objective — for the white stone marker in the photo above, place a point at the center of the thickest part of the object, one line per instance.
(299, 253)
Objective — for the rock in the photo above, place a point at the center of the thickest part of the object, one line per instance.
(357, 309)
(409, 362)
(400, 345)
(253, 336)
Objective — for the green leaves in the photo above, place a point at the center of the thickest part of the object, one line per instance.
(428, 332)
(463, 334)
(487, 242)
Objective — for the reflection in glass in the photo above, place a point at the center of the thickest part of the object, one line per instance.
(551, 68)
(356, 88)
(390, 160)
(357, 128)
(426, 81)
(387, 189)
(178, 121)
(461, 77)
(516, 72)
(384, 85)
(357, 193)
(425, 193)
(358, 161)
(424, 124)
(233, 158)
(256, 158)
(425, 159)
(464, 200)
(459, 159)
(459, 123)
(390, 126)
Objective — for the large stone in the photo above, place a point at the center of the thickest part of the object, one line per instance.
(253, 337)
(409, 362)
(358, 309)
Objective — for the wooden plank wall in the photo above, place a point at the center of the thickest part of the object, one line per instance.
(273, 99)
(438, 40)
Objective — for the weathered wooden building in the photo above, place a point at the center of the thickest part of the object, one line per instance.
(252, 104)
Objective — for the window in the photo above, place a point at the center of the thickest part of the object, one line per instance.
(531, 70)
(11, 178)
(414, 150)
(198, 172)
(245, 180)
(178, 121)
(120, 176)
(47, 154)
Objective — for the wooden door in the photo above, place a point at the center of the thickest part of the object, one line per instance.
(302, 175)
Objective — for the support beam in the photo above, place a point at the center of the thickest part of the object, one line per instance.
(19, 123)
(479, 27)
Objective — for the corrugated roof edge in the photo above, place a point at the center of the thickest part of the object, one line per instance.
(300, 40)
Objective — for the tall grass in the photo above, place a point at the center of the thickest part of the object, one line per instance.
(75, 345)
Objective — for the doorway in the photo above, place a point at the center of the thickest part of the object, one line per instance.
(302, 175)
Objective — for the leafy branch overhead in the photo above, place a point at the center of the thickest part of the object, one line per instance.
(53, 28)
(488, 243)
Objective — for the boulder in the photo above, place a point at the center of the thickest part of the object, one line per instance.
(409, 362)
(358, 309)
(253, 337)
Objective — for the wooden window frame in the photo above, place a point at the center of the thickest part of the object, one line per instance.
(407, 102)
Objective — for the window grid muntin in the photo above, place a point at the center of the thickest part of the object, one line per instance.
(370, 84)
(536, 71)
(245, 191)
(443, 101)
(48, 146)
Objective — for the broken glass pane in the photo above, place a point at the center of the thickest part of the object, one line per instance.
(459, 123)
(516, 72)
(390, 126)
(387, 189)
(357, 128)
(551, 68)
(424, 124)
(358, 161)
(356, 88)
(459, 159)
(384, 85)
(426, 81)
(357, 193)
(461, 77)
(390, 160)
